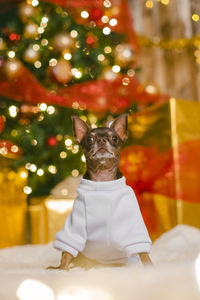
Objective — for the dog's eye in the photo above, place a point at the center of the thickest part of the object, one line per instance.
(114, 138)
(90, 139)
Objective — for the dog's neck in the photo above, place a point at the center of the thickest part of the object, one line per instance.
(103, 175)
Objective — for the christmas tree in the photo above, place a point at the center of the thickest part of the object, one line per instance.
(59, 59)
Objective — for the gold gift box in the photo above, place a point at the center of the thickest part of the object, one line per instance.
(171, 132)
(47, 217)
(13, 205)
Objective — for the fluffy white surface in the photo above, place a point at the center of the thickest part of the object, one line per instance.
(175, 275)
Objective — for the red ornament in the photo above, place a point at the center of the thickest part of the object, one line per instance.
(52, 141)
(91, 40)
(96, 14)
(14, 37)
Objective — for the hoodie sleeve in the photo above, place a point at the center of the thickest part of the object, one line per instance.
(130, 232)
(72, 237)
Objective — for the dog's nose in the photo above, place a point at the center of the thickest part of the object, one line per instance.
(101, 141)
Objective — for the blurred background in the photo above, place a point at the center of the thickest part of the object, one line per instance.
(97, 59)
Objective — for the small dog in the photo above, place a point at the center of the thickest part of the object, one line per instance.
(105, 225)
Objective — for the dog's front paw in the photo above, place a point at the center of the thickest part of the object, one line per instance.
(58, 268)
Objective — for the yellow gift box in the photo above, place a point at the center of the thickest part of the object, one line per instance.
(13, 205)
(161, 162)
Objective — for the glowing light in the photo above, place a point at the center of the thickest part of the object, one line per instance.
(14, 132)
(84, 14)
(75, 149)
(107, 49)
(3, 151)
(105, 19)
(74, 33)
(13, 111)
(53, 62)
(27, 190)
(78, 74)
(36, 47)
(67, 56)
(35, 3)
(131, 72)
(37, 64)
(23, 174)
(64, 192)
(52, 169)
(14, 149)
(45, 20)
(101, 57)
(43, 106)
(68, 142)
(63, 154)
(32, 289)
(59, 206)
(34, 142)
(51, 110)
(151, 89)
(197, 270)
(11, 54)
(75, 173)
(107, 3)
(113, 22)
(116, 68)
(83, 158)
(44, 42)
(40, 172)
(33, 168)
(106, 30)
(125, 81)
(149, 4)
(75, 105)
(40, 30)
(28, 165)
(195, 17)
(165, 2)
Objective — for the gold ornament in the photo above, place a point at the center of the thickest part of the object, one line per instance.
(31, 30)
(61, 72)
(108, 74)
(30, 55)
(25, 12)
(63, 41)
(124, 54)
(13, 69)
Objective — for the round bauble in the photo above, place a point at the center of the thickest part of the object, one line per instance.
(30, 55)
(13, 69)
(61, 72)
(52, 141)
(124, 55)
(25, 12)
(31, 30)
(63, 41)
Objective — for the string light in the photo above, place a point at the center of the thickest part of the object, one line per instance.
(35, 3)
(14, 149)
(33, 168)
(74, 33)
(101, 57)
(11, 54)
(67, 56)
(36, 47)
(63, 154)
(84, 14)
(52, 169)
(75, 173)
(27, 190)
(40, 172)
(13, 111)
(68, 142)
(51, 110)
(105, 19)
(40, 30)
(116, 68)
(23, 174)
(44, 42)
(149, 4)
(45, 20)
(42, 106)
(53, 62)
(107, 3)
(106, 30)
(113, 22)
(37, 64)
(83, 158)
(107, 49)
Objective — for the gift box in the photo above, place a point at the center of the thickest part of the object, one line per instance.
(161, 163)
(13, 204)
(48, 214)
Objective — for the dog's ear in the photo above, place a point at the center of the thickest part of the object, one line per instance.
(120, 126)
(80, 128)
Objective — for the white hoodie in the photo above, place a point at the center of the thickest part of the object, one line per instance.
(105, 224)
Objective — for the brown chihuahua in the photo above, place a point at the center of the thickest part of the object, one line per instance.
(91, 234)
